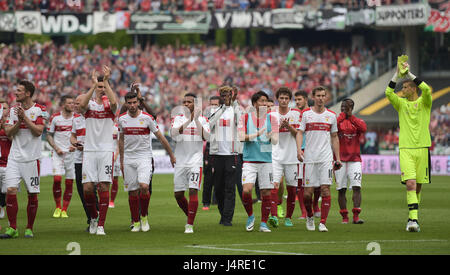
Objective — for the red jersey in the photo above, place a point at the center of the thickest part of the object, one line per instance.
(349, 132)
(5, 146)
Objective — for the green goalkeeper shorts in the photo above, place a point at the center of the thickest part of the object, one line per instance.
(415, 164)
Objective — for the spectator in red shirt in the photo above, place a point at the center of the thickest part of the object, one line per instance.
(146, 5)
(4, 5)
(350, 128)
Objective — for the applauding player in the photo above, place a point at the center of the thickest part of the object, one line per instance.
(284, 159)
(189, 130)
(98, 148)
(25, 125)
(135, 146)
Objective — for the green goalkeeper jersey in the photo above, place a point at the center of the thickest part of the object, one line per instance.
(414, 116)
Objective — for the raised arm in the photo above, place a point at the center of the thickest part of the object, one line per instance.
(85, 99)
(108, 91)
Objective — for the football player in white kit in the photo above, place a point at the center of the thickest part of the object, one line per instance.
(59, 132)
(98, 151)
(135, 151)
(25, 125)
(284, 159)
(189, 130)
(320, 127)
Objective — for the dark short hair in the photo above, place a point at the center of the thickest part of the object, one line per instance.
(258, 95)
(190, 94)
(130, 95)
(350, 101)
(29, 87)
(64, 98)
(100, 78)
(283, 91)
(411, 83)
(301, 93)
(318, 88)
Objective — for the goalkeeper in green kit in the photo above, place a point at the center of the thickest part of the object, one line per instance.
(414, 140)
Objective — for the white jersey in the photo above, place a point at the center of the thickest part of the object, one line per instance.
(284, 151)
(25, 146)
(61, 128)
(318, 128)
(189, 144)
(225, 132)
(79, 129)
(115, 137)
(137, 134)
(99, 128)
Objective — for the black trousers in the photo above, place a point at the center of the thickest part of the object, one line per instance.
(78, 180)
(224, 175)
(208, 184)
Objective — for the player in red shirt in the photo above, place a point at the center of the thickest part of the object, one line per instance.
(350, 129)
(5, 145)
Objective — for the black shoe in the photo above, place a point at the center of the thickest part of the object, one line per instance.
(227, 224)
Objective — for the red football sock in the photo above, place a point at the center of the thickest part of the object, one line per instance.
(316, 200)
(301, 201)
(67, 194)
(290, 201)
(91, 203)
(11, 210)
(57, 190)
(344, 213)
(103, 207)
(308, 206)
(114, 188)
(192, 208)
(356, 212)
(274, 202)
(247, 201)
(183, 204)
(144, 200)
(266, 207)
(32, 210)
(133, 201)
(325, 208)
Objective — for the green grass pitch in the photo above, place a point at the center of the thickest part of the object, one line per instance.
(384, 210)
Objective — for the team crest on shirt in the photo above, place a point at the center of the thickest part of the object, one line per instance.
(32, 116)
(141, 121)
(327, 118)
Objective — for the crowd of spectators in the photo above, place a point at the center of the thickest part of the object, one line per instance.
(179, 5)
(167, 73)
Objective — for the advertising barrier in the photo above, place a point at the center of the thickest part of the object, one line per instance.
(371, 164)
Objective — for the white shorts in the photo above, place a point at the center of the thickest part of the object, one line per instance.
(97, 167)
(262, 170)
(28, 171)
(2, 179)
(350, 172)
(64, 165)
(117, 171)
(317, 174)
(136, 171)
(291, 173)
(187, 178)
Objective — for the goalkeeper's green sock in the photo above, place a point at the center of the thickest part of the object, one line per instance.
(413, 204)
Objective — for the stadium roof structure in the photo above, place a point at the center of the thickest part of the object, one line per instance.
(380, 111)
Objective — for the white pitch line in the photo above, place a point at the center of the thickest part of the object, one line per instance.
(216, 247)
(244, 250)
(333, 242)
